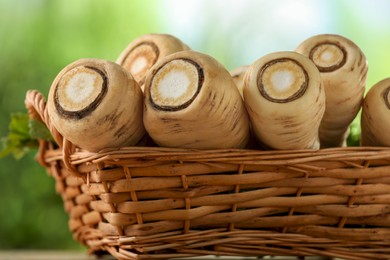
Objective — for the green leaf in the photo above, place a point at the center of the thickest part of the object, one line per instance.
(23, 135)
(38, 130)
(19, 125)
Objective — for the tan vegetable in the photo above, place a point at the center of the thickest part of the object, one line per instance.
(142, 53)
(343, 68)
(191, 101)
(96, 104)
(285, 100)
(238, 77)
(375, 120)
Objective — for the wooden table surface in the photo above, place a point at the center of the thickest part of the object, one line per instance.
(80, 255)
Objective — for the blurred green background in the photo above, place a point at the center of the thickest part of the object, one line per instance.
(39, 37)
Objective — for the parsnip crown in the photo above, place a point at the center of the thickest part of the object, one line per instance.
(80, 91)
(328, 56)
(175, 85)
(140, 59)
(282, 80)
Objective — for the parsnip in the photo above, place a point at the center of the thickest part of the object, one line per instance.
(191, 101)
(375, 119)
(285, 100)
(142, 53)
(343, 68)
(96, 104)
(238, 77)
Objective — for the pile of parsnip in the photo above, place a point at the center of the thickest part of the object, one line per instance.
(160, 92)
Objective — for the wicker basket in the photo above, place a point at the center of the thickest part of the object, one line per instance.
(158, 203)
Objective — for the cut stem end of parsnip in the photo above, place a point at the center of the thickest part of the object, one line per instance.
(176, 84)
(140, 59)
(282, 80)
(328, 56)
(80, 91)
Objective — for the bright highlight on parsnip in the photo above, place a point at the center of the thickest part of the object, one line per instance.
(160, 89)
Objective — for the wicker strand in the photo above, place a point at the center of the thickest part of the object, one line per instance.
(112, 208)
(36, 107)
(297, 194)
(352, 199)
(236, 191)
(133, 194)
(40, 157)
(187, 202)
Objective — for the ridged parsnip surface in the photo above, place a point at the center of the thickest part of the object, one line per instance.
(343, 67)
(191, 101)
(285, 100)
(375, 120)
(96, 104)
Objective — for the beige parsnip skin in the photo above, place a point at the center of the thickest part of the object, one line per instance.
(343, 68)
(285, 100)
(375, 119)
(96, 104)
(191, 101)
(143, 52)
(238, 75)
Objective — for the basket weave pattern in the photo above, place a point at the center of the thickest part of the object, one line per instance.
(158, 203)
